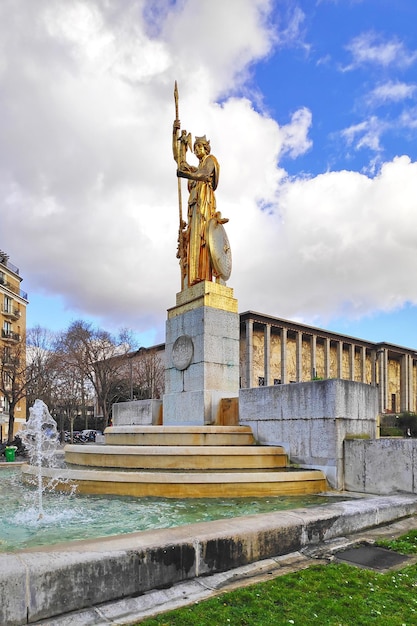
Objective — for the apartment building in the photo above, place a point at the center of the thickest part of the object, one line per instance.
(12, 339)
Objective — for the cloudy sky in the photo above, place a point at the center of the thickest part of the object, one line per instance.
(311, 108)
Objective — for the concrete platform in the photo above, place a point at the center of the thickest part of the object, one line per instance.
(179, 435)
(183, 457)
(178, 484)
(114, 575)
(185, 462)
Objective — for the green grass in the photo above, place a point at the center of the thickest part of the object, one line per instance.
(406, 544)
(324, 595)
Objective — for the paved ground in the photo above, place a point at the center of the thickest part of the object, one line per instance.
(133, 610)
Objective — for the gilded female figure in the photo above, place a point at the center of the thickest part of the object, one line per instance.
(202, 182)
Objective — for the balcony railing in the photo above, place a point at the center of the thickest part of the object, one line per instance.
(11, 362)
(13, 288)
(5, 261)
(10, 335)
(11, 312)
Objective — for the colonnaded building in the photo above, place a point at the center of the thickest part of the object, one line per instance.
(276, 351)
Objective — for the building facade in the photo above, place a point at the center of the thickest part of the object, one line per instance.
(276, 351)
(12, 339)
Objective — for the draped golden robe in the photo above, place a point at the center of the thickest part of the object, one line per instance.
(201, 208)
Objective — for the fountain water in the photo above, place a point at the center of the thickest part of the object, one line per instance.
(73, 517)
(40, 437)
(58, 517)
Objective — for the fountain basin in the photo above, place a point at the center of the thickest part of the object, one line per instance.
(38, 584)
(73, 516)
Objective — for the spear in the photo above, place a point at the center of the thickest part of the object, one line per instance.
(178, 153)
(180, 232)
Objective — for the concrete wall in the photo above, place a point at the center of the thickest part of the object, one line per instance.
(311, 420)
(41, 583)
(382, 466)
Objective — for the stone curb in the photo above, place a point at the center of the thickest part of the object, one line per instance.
(43, 583)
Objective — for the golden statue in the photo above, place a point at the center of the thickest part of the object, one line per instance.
(200, 238)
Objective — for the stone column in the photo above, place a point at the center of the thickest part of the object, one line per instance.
(284, 375)
(313, 347)
(267, 355)
(382, 379)
(327, 357)
(374, 380)
(299, 356)
(386, 387)
(404, 380)
(352, 361)
(249, 353)
(411, 396)
(363, 364)
(340, 359)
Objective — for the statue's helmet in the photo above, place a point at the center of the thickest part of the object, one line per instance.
(204, 141)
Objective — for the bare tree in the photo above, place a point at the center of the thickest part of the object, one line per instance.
(68, 397)
(148, 373)
(43, 366)
(97, 357)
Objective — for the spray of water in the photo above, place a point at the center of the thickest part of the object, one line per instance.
(40, 437)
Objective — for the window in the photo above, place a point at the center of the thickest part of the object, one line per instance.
(7, 380)
(261, 381)
(7, 304)
(277, 381)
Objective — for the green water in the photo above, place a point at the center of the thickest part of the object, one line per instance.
(70, 517)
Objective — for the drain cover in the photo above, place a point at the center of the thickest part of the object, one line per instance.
(371, 557)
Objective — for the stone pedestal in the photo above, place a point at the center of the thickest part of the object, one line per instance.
(202, 354)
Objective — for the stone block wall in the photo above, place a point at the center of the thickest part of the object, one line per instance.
(312, 420)
(383, 466)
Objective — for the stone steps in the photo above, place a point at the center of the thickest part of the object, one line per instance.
(185, 484)
(200, 458)
(186, 462)
(179, 435)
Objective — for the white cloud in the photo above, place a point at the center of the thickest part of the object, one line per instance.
(365, 134)
(293, 33)
(390, 91)
(408, 118)
(370, 48)
(343, 243)
(88, 192)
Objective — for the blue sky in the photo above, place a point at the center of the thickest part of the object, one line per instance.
(311, 107)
